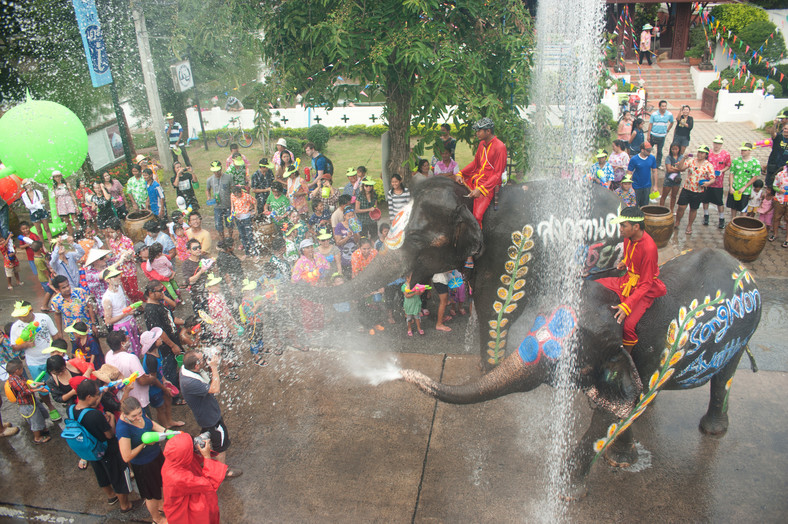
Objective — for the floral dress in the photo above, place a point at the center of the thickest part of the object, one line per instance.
(359, 262)
(64, 201)
(88, 213)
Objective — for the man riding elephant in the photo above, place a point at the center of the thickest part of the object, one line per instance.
(638, 288)
(485, 172)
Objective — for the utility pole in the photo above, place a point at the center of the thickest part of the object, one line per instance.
(151, 88)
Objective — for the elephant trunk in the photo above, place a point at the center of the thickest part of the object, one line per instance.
(511, 376)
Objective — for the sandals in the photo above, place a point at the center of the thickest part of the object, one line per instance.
(421, 332)
(82, 464)
(771, 238)
(446, 318)
(179, 402)
(261, 362)
(234, 473)
(688, 231)
(443, 328)
(232, 376)
(43, 440)
(785, 244)
(410, 333)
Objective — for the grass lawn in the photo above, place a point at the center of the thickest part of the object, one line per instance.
(343, 152)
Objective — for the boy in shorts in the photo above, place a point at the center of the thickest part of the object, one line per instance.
(28, 408)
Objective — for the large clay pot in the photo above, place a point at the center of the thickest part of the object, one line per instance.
(265, 233)
(659, 223)
(745, 238)
(134, 222)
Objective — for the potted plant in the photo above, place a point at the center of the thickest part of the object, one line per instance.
(694, 56)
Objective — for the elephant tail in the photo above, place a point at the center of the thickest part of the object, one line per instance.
(511, 376)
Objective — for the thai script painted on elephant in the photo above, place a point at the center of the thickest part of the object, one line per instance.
(699, 371)
(548, 335)
(592, 229)
(738, 306)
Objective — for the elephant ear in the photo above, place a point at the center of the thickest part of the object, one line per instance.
(616, 385)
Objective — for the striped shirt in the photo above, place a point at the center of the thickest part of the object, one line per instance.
(173, 132)
(397, 202)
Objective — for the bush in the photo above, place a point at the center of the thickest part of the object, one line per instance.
(755, 35)
(296, 145)
(744, 87)
(603, 125)
(736, 17)
(319, 135)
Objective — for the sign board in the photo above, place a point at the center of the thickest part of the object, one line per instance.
(105, 146)
(93, 42)
(182, 78)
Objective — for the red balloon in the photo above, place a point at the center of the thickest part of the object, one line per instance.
(10, 188)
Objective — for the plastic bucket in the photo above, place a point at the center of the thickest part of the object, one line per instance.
(179, 360)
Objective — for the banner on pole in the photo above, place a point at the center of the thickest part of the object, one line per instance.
(182, 76)
(93, 42)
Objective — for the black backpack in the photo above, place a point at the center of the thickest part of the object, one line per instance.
(329, 164)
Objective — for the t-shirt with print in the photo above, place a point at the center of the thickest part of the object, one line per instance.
(744, 171)
(34, 356)
(185, 187)
(659, 123)
(720, 161)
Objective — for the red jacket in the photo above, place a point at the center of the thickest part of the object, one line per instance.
(485, 172)
(189, 483)
(641, 279)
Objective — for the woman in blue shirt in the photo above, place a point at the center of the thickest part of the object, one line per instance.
(146, 460)
(637, 137)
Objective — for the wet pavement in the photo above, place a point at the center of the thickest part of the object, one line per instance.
(319, 444)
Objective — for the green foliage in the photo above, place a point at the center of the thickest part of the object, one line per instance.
(645, 14)
(694, 52)
(319, 135)
(769, 4)
(295, 144)
(737, 17)
(755, 35)
(744, 87)
(604, 123)
(424, 56)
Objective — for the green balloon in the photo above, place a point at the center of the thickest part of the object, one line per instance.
(38, 137)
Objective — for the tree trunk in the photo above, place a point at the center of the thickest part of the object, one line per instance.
(398, 96)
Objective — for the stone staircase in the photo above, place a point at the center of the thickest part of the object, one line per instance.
(668, 80)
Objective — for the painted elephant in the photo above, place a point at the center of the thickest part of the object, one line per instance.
(695, 334)
(437, 232)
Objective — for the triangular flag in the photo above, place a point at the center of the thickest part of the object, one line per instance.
(782, 75)
(747, 50)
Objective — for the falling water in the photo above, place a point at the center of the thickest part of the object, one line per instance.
(564, 92)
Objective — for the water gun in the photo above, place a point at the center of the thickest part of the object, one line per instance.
(196, 329)
(312, 276)
(26, 240)
(206, 263)
(128, 309)
(38, 381)
(763, 143)
(33, 384)
(418, 288)
(231, 217)
(28, 333)
(120, 384)
(153, 437)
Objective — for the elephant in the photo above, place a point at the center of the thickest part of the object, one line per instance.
(437, 232)
(695, 334)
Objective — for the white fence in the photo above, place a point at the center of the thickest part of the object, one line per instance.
(289, 117)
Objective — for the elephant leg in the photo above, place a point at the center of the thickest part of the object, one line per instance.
(622, 452)
(715, 421)
(583, 454)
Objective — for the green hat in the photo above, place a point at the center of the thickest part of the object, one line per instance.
(238, 161)
(351, 171)
(782, 114)
(216, 166)
(22, 308)
(746, 146)
(249, 285)
(601, 153)
(627, 179)
(289, 172)
(77, 330)
(629, 214)
(367, 182)
(324, 235)
(718, 139)
(169, 115)
(703, 149)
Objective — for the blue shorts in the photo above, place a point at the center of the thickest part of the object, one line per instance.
(47, 289)
(220, 215)
(39, 215)
(157, 399)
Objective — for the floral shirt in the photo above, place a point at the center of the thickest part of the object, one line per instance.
(248, 312)
(220, 313)
(358, 262)
(619, 163)
(310, 270)
(96, 286)
(695, 174)
(238, 174)
(743, 171)
(628, 198)
(781, 186)
(180, 247)
(138, 190)
(243, 205)
(120, 246)
(721, 162)
(607, 174)
(296, 192)
(73, 310)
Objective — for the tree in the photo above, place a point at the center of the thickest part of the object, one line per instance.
(425, 55)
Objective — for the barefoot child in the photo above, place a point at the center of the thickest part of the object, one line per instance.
(10, 261)
(30, 410)
(43, 272)
(412, 306)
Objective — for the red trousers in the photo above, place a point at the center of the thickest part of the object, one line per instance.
(480, 205)
(638, 308)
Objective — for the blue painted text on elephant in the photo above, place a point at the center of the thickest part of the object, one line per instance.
(548, 335)
(738, 306)
(556, 229)
(699, 371)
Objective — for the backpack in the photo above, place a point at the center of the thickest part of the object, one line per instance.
(329, 164)
(80, 440)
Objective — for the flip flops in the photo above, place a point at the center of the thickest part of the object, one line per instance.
(43, 440)
(82, 464)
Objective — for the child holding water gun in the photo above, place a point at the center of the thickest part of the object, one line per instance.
(84, 345)
(28, 407)
(413, 305)
(158, 262)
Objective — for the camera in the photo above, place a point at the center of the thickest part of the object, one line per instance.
(201, 440)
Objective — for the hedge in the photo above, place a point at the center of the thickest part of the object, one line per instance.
(742, 86)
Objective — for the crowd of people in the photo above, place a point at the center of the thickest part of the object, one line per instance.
(706, 177)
